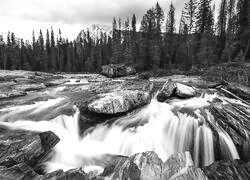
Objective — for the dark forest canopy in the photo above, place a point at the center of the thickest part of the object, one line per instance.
(204, 38)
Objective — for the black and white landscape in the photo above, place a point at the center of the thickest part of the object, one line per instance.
(164, 95)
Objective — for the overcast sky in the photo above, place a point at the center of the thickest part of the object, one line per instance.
(22, 16)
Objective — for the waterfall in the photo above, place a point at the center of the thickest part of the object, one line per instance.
(165, 128)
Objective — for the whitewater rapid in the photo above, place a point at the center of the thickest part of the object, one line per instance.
(165, 128)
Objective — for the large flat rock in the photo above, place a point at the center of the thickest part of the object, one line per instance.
(118, 102)
(20, 146)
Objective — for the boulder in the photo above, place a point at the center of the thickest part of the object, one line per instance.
(55, 82)
(149, 164)
(180, 166)
(118, 102)
(117, 70)
(166, 90)
(171, 88)
(225, 170)
(20, 146)
(122, 168)
(184, 91)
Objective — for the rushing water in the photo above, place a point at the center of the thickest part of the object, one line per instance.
(166, 128)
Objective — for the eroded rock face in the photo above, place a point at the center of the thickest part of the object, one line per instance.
(118, 102)
(233, 170)
(25, 172)
(149, 164)
(117, 70)
(74, 174)
(122, 168)
(171, 88)
(180, 166)
(17, 172)
(19, 146)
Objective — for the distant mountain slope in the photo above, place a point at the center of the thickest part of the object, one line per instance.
(96, 30)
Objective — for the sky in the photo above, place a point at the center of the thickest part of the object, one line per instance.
(71, 16)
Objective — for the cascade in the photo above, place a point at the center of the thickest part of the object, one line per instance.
(165, 128)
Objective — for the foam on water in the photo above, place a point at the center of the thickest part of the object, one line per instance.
(164, 128)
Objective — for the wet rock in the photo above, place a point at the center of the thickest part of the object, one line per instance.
(122, 168)
(177, 162)
(25, 172)
(118, 102)
(55, 82)
(184, 91)
(17, 172)
(180, 166)
(234, 119)
(166, 91)
(11, 93)
(225, 170)
(145, 75)
(190, 173)
(19, 146)
(117, 70)
(74, 174)
(149, 164)
(171, 88)
(239, 90)
(30, 87)
(112, 86)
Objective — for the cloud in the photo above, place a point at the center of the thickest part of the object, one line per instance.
(22, 16)
(77, 11)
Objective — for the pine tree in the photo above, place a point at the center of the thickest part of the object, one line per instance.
(8, 62)
(159, 19)
(158, 46)
(53, 51)
(41, 64)
(48, 51)
(189, 14)
(205, 31)
(227, 54)
(60, 51)
(13, 52)
(2, 52)
(244, 27)
(221, 28)
(116, 43)
(134, 40)
(205, 22)
(170, 33)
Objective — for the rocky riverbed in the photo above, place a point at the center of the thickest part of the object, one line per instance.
(37, 108)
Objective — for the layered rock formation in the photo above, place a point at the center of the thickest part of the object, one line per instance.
(148, 166)
(20, 146)
(225, 170)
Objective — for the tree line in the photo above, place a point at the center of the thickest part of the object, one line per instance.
(203, 37)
